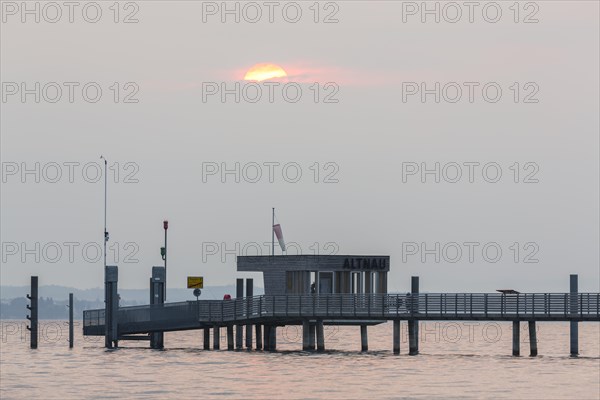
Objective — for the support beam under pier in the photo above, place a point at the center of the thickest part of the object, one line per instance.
(311, 336)
(216, 338)
(249, 307)
(273, 338)
(229, 337)
(239, 330)
(239, 336)
(364, 340)
(259, 344)
(270, 334)
(320, 335)
(249, 337)
(305, 334)
(516, 336)
(413, 326)
(533, 351)
(266, 335)
(413, 337)
(206, 338)
(396, 336)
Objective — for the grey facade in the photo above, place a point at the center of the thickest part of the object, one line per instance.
(329, 273)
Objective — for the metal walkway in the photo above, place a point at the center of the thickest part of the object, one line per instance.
(340, 308)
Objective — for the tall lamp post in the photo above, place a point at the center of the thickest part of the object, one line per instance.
(163, 253)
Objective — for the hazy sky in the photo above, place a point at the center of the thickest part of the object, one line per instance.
(546, 120)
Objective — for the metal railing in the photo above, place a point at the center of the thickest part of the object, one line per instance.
(380, 306)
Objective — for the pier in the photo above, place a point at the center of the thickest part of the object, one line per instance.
(314, 310)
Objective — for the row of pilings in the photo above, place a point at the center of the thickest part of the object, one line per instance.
(313, 331)
(33, 316)
(313, 337)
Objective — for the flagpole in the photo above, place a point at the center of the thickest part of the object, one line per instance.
(273, 234)
(105, 197)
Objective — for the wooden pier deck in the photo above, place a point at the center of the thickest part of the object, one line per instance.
(354, 309)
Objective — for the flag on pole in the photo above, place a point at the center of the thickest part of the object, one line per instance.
(279, 234)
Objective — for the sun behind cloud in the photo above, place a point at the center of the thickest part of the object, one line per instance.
(264, 71)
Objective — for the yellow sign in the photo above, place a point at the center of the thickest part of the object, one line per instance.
(195, 282)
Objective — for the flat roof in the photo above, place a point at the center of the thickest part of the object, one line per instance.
(312, 262)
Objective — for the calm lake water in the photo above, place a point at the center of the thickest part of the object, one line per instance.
(457, 361)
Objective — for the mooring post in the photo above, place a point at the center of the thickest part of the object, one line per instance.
(239, 294)
(157, 291)
(320, 335)
(71, 334)
(516, 336)
(533, 351)
(305, 334)
(259, 343)
(229, 337)
(573, 310)
(364, 340)
(216, 337)
(249, 305)
(413, 324)
(206, 338)
(396, 336)
(111, 305)
(33, 318)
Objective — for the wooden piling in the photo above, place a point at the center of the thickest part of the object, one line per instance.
(414, 304)
(413, 337)
(259, 344)
(249, 337)
(311, 336)
(273, 338)
(206, 338)
(573, 309)
(516, 335)
(216, 338)
(533, 351)
(396, 336)
(266, 335)
(239, 331)
(33, 318)
(305, 334)
(229, 337)
(249, 307)
(71, 332)
(364, 340)
(239, 336)
(320, 335)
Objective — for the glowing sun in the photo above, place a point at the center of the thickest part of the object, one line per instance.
(262, 72)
